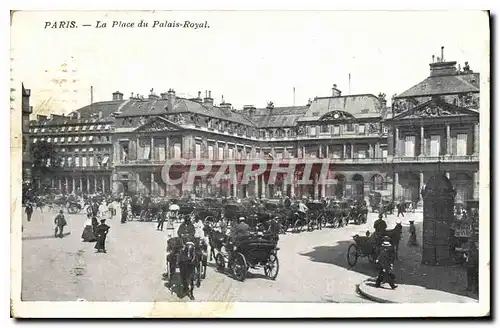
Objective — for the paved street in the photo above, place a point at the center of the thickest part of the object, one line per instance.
(313, 266)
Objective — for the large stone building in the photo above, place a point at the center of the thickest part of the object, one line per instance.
(122, 145)
(346, 130)
(83, 141)
(434, 126)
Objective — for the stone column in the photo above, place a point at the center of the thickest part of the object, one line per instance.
(303, 152)
(256, 186)
(476, 139)
(323, 190)
(152, 177)
(327, 151)
(316, 186)
(88, 184)
(138, 182)
(103, 184)
(352, 150)
(344, 153)
(475, 185)
(370, 151)
(152, 151)
(396, 143)
(263, 187)
(60, 184)
(396, 186)
(81, 184)
(421, 186)
(422, 141)
(320, 150)
(66, 185)
(448, 140)
(111, 187)
(292, 186)
(73, 184)
(95, 183)
(167, 148)
(377, 150)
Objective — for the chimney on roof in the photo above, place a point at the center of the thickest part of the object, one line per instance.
(152, 95)
(309, 102)
(224, 104)
(442, 54)
(117, 95)
(249, 108)
(208, 100)
(171, 99)
(164, 95)
(270, 105)
(336, 92)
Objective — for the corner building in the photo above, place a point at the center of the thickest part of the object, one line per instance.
(434, 127)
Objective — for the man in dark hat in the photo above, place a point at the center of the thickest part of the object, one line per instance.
(380, 225)
(60, 223)
(29, 210)
(101, 233)
(186, 229)
(162, 216)
(385, 262)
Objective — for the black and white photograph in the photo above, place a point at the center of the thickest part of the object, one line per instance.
(284, 164)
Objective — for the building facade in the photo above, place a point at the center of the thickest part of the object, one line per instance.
(26, 112)
(347, 131)
(122, 145)
(84, 144)
(434, 127)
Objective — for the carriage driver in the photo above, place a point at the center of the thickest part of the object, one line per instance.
(186, 229)
(241, 230)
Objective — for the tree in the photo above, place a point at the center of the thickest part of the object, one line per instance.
(46, 160)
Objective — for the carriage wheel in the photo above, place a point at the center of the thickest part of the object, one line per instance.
(297, 227)
(220, 262)
(239, 267)
(352, 255)
(272, 267)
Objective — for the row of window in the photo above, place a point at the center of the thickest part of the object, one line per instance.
(433, 146)
(85, 161)
(83, 150)
(220, 152)
(74, 139)
(75, 128)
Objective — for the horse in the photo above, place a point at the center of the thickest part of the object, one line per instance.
(187, 268)
(395, 235)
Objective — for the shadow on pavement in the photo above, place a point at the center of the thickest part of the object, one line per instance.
(45, 237)
(409, 269)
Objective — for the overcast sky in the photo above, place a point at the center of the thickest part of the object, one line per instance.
(249, 57)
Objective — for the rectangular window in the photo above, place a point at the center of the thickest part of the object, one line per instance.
(77, 128)
(77, 161)
(177, 151)
(325, 129)
(211, 152)
(70, 139)
(384, 153)
(336, 130)
(147, 151)
(361, 129)
(84, 161)
(84, 128)
(197, 151)
(461, 144)
(91, 128)
(91, 138)
(278, 155)
(231, 153)
(349, 127)
(435, 145)
(91, 161)
(312, 131)
(410, 146)
(76, 139)
(221, 153)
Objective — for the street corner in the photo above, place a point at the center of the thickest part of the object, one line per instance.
(407, 294)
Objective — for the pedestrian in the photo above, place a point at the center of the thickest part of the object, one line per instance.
(472, 264)
(161, 219)
(88, 231)
(29, 210)
(401, 209)
(60, 223)
(412, 241)
(101, 233)
(385, 262)
(124, 212)
(95, 224)
(199, 228)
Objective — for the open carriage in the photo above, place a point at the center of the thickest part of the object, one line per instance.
(253, 252)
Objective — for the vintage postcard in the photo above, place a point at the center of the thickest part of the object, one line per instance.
(217, 164)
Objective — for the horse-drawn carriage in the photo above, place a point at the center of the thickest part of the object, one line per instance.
(336, 214)
(358, 213)
(253, 252)
(190, 256)
(369, 245)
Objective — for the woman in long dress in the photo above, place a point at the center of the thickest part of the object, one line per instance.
(88, 231)
(101, 233)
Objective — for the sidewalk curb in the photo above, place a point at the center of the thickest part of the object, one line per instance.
(371, 297)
